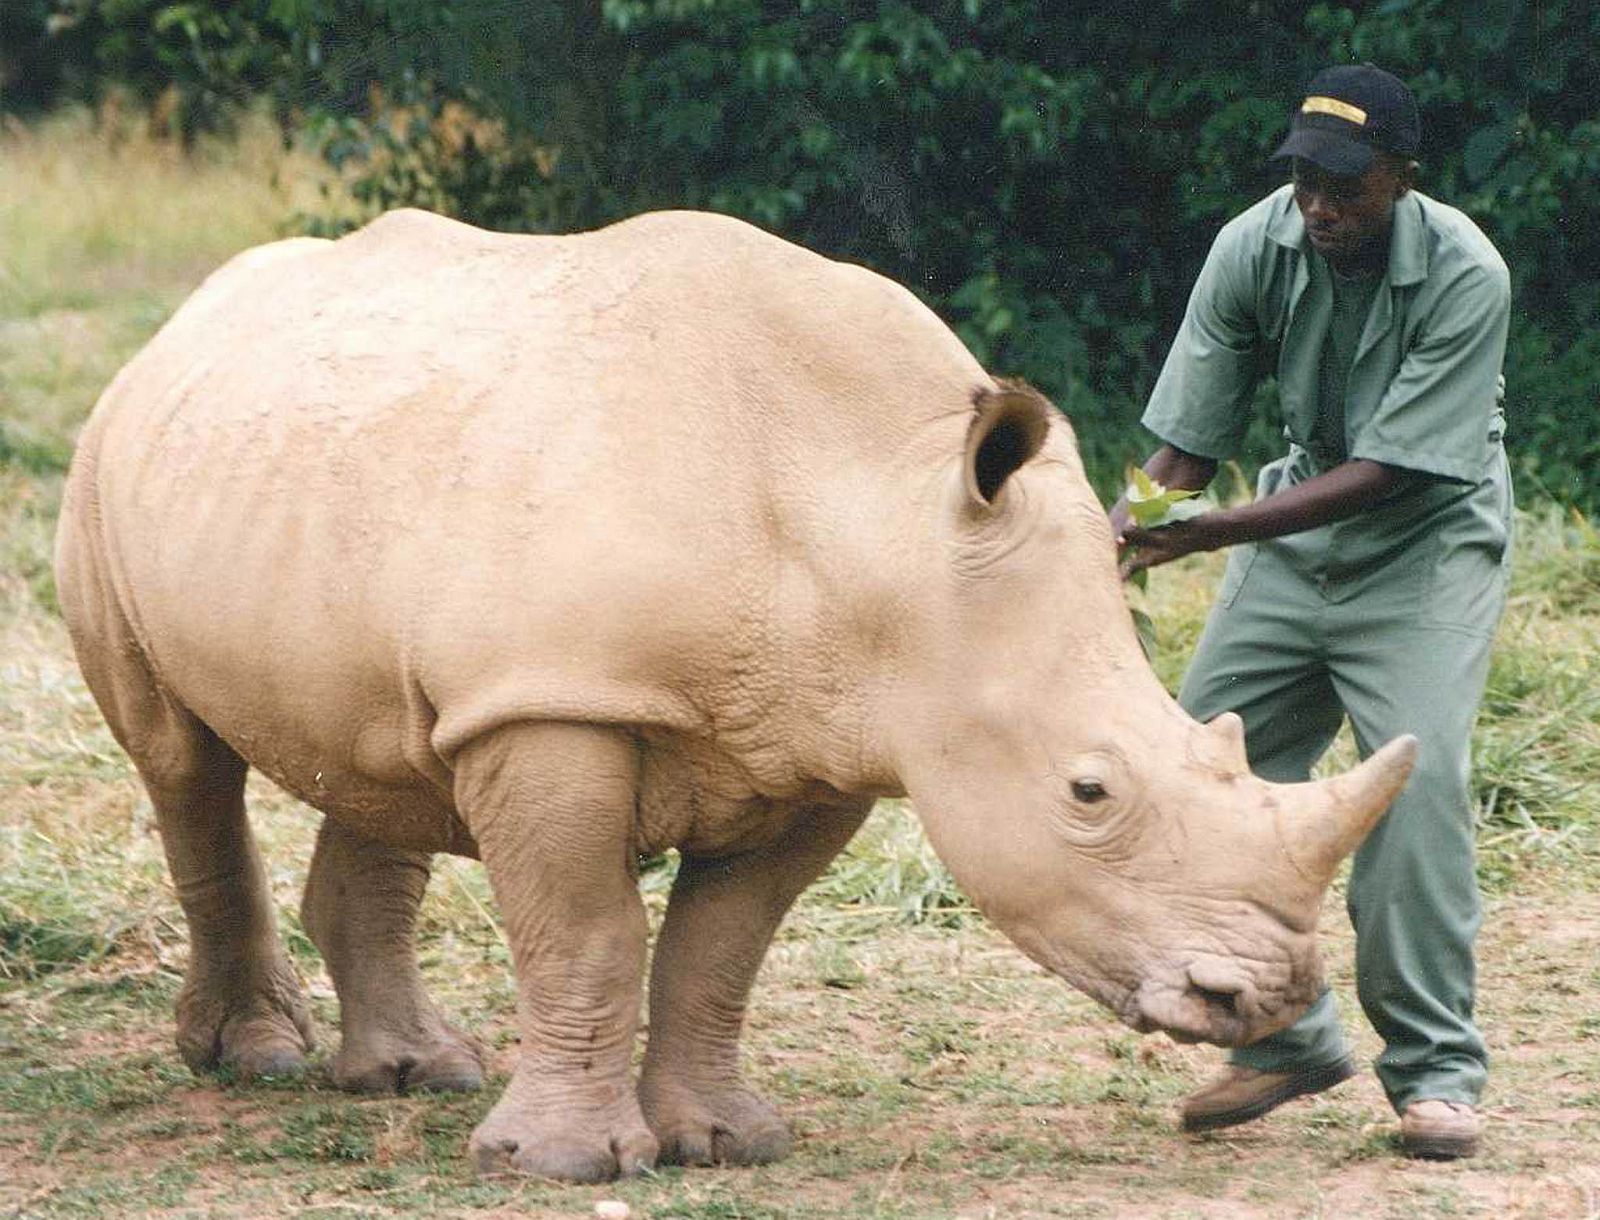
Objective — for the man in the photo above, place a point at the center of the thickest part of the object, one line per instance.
(1368, 575)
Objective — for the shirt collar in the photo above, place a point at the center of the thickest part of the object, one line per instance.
(1408, 246)
(1408, 242)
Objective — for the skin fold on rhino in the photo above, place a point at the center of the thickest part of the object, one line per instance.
(558, 551)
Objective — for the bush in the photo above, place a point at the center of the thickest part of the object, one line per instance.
(1049, 184)
(1049, 181)
(191, 65)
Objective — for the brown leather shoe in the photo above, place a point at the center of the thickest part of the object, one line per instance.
(1439, 1130)
(1241, 1094)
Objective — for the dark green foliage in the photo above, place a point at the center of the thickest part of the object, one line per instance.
(32, 70)
(193, 64)
(1049, 183)
(1048, 178)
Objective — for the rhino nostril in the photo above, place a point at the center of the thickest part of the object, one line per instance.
(1225, 1001)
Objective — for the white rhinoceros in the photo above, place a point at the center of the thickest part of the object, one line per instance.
(558, 551)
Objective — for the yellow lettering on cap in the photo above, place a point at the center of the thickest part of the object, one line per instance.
(1333, 106)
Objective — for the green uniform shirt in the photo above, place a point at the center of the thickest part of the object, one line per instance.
(1352, 301)
(1422, 391)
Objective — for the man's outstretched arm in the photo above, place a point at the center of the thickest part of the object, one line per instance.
(1345, 490)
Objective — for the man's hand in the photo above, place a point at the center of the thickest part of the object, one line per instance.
(1174, 468)
(1150, 548)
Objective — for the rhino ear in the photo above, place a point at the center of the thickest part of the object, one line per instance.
(1009, 426)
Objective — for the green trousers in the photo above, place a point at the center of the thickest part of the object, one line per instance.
(1293, 654)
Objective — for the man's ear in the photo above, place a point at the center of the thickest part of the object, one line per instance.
(1405, 176)
(1009, 426)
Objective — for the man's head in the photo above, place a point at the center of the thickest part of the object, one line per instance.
(1348, 218)
(1352, 141)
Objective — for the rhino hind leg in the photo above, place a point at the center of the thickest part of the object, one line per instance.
(719, 922)
(241, 1007)
(360, 910)
(551, 808)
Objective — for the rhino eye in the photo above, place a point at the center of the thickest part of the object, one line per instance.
(1088, 791)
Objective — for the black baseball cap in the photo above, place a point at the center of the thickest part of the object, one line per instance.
(1349, 112)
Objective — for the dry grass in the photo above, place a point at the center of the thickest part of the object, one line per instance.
(104, 231)
(127, 214)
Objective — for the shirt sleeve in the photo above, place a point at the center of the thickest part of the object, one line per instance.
(1437, 413)
(1200, 401)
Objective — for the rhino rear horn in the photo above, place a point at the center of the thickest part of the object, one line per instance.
(1219, 746)
(1008, 428)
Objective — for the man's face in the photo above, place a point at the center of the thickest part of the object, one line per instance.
(1348, 219)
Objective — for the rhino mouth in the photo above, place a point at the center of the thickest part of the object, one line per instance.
(1204, 1004)
(1192, 1014)
(1208, 998)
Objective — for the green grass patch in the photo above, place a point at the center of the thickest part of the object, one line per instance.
(340, 1132)
(1536, 750)
(72, 902)
(98, 1087)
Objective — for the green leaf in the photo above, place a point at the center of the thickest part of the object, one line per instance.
(1151, 505)
(1140, 485)
(1192, 506)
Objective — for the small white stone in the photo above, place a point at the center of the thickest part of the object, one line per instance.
(612, 1209)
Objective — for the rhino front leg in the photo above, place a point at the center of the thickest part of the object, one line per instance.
(552, 808)
(719, 923)
(360, 909)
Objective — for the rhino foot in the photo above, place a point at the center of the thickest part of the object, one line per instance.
(566, 1142)
(441, 1059)
(727, 1126)
(261, 1030)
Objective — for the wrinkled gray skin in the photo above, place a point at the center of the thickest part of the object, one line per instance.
(560, 550)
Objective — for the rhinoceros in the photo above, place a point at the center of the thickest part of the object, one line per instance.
(558, 551)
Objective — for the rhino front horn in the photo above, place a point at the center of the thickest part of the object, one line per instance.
(1342, 810)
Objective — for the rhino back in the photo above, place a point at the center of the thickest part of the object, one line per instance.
(367, 499)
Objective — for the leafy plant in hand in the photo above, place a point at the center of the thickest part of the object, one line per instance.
(1151, 505)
